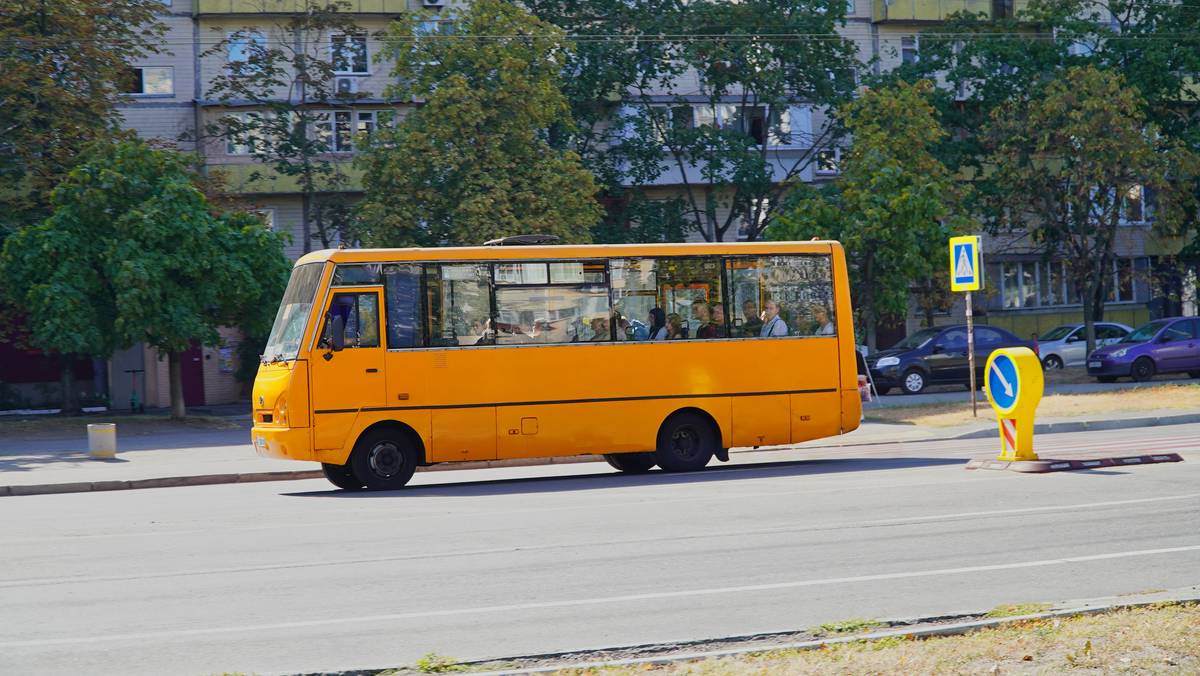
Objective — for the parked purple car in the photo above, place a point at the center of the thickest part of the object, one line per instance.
(1166, 345)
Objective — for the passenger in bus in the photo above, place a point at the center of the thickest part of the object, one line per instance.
(773, 325)
(600, 329)
(675, 327)
(702, 313)
(824, 327)
(752, 322)
(658, 324)
(718, 320)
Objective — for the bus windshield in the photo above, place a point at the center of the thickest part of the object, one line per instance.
(288, 331)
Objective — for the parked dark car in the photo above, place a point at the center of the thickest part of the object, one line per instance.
(938, 356)
(1170, 345)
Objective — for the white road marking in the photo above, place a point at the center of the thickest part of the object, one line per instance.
(569, 603)
(895, 521)
(1008, 390)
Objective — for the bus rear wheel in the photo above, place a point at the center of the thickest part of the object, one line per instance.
(383, 460)
(686, 442)
(341, 476)
(631, 463)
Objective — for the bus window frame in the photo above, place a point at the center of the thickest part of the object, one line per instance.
(726, 289)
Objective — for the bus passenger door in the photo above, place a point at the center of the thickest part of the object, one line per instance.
(352, 379)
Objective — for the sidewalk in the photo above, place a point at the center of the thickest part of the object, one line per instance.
(59, 463)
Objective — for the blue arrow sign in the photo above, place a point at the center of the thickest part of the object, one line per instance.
(1003, 384)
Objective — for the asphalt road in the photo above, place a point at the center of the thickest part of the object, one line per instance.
(291, 576)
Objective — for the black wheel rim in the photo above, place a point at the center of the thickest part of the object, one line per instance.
(1143, 369)
(386, 460)
(685, 442)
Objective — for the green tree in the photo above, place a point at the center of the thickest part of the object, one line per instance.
(62, 64)
(287, 73)
(699, 95)
(473, 161)
(1065, 161)
(893, 207)
(133, 253)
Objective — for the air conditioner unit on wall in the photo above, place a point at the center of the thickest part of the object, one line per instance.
(344, 86)
(433, 3)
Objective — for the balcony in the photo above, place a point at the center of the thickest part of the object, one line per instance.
(210, 7)
(927, 11)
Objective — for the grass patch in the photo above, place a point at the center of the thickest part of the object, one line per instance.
(433, 663)
(1147, 640)
(1097, 404)
(126, 424)
(854, 626)
(1017, 609)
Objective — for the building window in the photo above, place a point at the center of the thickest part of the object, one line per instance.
(909, 47)
(791, 126)
(245, 46)
(150, 81)
(349, 54)
(244, 132)
(829, 161)
(335, 129)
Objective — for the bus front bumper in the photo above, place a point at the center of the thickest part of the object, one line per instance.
(282, 442)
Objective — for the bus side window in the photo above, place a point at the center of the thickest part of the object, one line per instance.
(360, 312)
(775, 296)
(402, 294)
(458, 304)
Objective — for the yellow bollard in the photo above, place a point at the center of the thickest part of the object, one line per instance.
(1015, 383)
(102, 440)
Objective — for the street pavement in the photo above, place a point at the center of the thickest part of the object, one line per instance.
(292, 576)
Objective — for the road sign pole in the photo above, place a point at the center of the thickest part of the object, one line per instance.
(971, 354)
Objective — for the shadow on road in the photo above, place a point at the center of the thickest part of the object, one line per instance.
(606, 479)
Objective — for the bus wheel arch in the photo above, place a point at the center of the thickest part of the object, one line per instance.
(687, 439)
(386, 454)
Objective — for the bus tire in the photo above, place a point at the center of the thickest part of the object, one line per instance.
(686, 442)
(341, 476)
(384, 459)
(631, 463)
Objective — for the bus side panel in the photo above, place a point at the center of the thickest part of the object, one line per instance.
(418, 420)
(544, 430)
(761, 421)
(816, 415)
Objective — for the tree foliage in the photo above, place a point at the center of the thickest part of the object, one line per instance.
(473, 160)
(1066, 160)
(62, 64)
(133, 253)
(894, 205)
(636, 60)
(285, 71)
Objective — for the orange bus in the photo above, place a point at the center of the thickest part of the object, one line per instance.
(384, 360)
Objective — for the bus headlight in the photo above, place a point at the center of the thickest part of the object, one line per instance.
(887, 361)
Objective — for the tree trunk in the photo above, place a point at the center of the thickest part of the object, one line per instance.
(175, 363)
(1089, 317)
(305, 225)
(70, 395)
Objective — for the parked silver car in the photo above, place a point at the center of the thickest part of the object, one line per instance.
(1067, 345)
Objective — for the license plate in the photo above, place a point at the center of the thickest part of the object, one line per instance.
(1094, 364)
(260, 443)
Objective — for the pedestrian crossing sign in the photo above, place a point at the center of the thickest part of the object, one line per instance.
(965, 273)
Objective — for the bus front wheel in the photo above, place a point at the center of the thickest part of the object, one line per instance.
(686, 442)
(341, 476)
(383, 460)
(631, 463)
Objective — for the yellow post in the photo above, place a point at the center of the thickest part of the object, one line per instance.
(1015, 383)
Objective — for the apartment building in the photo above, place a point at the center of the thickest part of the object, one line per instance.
(174, 102)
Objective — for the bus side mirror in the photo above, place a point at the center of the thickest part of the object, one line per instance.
(337, 333)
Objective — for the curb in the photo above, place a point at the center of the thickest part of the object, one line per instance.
(254, 477)
(1090, 426)
(953, 629)
(208, 479)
